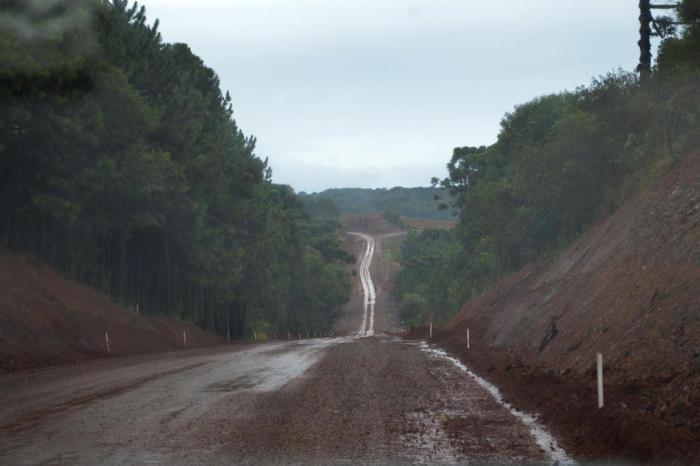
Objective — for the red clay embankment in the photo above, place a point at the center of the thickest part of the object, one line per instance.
(630, 289)
(47, 319)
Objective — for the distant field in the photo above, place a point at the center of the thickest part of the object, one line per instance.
(429, 223)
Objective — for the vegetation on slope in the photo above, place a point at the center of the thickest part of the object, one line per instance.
(561, 163)
(121, 165)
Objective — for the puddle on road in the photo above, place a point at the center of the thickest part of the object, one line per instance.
(285, 366)
(269, 367)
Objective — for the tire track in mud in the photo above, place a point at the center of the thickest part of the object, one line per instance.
(370, 294)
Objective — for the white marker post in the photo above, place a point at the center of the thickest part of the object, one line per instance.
(184, 338)
(431, 331)
(468, 339)
(600, 381)
(255, 336)
(107, 341)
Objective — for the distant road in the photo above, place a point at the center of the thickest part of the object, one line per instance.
(368, 290)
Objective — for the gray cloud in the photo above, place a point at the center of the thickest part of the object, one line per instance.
(372, 94)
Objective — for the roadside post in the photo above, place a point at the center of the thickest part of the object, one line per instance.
(600, 381)
(255, 336)
(467, 338)
(430, 337)
(107, 342)
(184, 338)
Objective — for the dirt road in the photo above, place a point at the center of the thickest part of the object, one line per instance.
(344, 400)
(136, 409)
(369, 293)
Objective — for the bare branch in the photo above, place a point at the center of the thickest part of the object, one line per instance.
(666, 7)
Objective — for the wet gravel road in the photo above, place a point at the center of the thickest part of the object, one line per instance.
(345, 400)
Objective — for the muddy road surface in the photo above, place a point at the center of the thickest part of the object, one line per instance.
(364, 398)
(137, 409)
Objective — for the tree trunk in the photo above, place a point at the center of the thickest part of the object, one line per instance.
(18, 243)
(645, 19)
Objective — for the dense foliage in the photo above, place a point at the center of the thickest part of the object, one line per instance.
(428, 259)
(409, 202)
(121, 165)
(561, 162)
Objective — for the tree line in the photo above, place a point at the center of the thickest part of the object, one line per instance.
(121, 165)
(409, 202)
(560, 163)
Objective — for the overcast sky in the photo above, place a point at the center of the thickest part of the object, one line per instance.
(377, 93)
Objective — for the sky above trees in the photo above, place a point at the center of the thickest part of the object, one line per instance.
(377, 94)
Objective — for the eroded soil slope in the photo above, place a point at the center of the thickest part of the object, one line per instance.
(629, 289)
(46, 319)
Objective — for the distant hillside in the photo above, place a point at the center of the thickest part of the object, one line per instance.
(409, 202)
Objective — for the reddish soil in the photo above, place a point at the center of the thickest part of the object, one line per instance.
(630, 289)
(47, 319)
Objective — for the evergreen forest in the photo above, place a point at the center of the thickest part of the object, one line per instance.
(122, 166)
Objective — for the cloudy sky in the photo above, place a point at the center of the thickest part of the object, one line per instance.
(377, 93)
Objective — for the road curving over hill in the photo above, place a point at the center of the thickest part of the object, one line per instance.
(368, 290)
